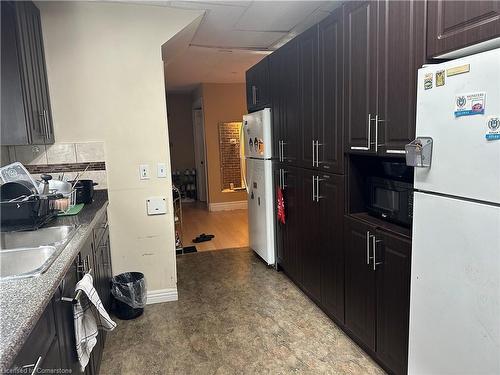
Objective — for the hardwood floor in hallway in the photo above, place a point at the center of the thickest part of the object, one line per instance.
(229, 227)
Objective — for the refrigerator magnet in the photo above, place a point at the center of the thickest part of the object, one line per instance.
(440, 78)
(493, 132)
(470, 104)
(428, 81)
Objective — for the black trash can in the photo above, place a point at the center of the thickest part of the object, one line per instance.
(129, 295)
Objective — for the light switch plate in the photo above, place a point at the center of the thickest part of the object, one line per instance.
(144, 171)
(161, 170)
(156, 205)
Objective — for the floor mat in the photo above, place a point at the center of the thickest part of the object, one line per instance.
(186, 250)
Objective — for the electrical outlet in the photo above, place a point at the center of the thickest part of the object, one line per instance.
(161, 170)
(144, 171)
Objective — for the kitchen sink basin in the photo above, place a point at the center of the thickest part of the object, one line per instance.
(26, 262)
(35, 238)
(30, 253)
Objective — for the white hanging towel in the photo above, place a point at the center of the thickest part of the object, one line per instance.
(90, 316)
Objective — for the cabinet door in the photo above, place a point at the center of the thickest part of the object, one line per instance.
(360, 26)
(250, 88)
(292, 235)
(401, 53)
(262, 97)
(308, 95)
(393, 254)
(289, 88)
(452, 25)
(29, 34)
(277, 100)
(14, 131)
(310, 253)
(65, 319)
(359, 281)
(279, 227)
(331, 224)
(330, 103)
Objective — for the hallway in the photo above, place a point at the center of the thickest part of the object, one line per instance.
(234, 316)
(229, 227)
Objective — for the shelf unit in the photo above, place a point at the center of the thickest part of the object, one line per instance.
(177, 199)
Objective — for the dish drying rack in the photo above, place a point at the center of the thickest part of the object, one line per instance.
(71, 197)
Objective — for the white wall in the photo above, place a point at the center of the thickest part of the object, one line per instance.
(106, 83)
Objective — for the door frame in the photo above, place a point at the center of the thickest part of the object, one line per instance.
(200, 148)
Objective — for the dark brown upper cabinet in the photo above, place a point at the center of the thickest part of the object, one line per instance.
(453, 25)
(284, 74)
(401, 52)
(26, 115)
(257, 86)
(307, 44)
(360, 33)
(330, 150)
(385, 46)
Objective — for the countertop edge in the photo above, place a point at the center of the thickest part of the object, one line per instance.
(9, 349)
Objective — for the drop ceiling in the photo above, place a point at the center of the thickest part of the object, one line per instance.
(231, 36)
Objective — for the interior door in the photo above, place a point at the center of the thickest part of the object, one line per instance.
(455, 287)
(330, 103)
(308, 95)
(199, 154)
(401, 53)
(359, 281)
(310, 253)
(331, 224)
(360, 25)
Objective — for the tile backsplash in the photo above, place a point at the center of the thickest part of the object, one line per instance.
(62, 158)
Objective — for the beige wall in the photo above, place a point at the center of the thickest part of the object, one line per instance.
(180, 131)
(106, 83)
(222, 102)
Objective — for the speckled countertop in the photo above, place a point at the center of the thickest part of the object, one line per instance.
(23, 301)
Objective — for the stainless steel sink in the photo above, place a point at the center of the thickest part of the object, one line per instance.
(30, 253)
(35, 238)
(26, 262)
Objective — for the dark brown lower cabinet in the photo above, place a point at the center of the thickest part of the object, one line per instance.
(291, 230)
(331, 219)
(310, 254)
(52, 341)
(393, 300)
(359, 282)
(378, 291)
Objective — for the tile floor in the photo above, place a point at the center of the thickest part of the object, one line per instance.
(234, 316)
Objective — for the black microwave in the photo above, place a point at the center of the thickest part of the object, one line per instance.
(390, 199)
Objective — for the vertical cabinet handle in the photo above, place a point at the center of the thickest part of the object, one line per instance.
(47, 127)
(314, 188)
(368, 236)
(374, 243)
(313, 152)
(254, 95)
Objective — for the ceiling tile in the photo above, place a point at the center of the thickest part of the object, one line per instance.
(275, 15)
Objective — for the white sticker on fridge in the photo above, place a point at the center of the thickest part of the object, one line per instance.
(470, 104)
(493, 132)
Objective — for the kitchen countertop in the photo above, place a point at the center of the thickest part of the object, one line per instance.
(23, 301)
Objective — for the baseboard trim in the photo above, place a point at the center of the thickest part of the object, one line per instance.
(227, 206)
(162, 295)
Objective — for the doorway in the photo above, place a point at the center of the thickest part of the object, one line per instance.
(199, 154)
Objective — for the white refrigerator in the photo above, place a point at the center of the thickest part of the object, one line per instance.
(257, 140)
(455, 281)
